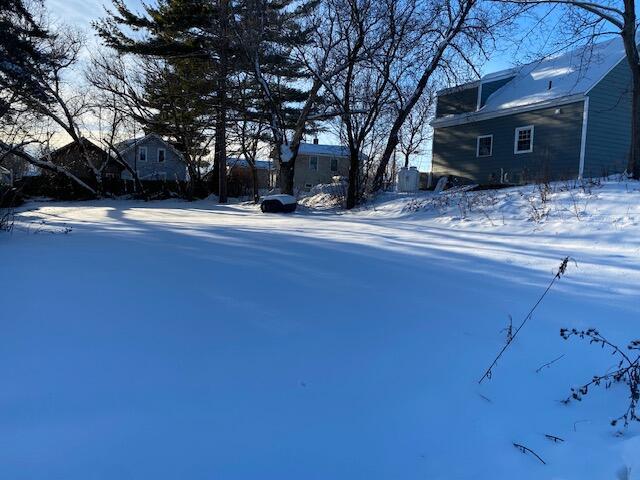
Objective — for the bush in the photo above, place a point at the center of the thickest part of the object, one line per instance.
(626, 372)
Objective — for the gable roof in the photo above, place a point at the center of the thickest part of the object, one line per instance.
(88, 144)
(241, 162)
(130, 143)
(547, 82)
(321, 149)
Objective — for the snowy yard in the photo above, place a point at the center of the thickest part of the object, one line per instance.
(174, 340)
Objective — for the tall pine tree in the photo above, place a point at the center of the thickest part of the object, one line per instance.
(185, 32)
(21, 54)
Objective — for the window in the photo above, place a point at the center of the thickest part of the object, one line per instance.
(161, 155)
(142, 154)
(484, 146)
(523, 142)
(313, 163)
(334, 164)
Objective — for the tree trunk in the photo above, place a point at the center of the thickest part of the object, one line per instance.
(287, 171)
(254, 184)
(354, 170)
(221, 115)
(220, 152)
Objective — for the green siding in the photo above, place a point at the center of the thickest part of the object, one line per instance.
(490, 87)
(609, 124)
(555, 156)
(460, 101)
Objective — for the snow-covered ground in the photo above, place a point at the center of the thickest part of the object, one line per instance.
(174, 340)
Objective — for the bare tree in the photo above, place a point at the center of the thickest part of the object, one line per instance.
(378, 36)
(121, 84)
(416, 131)
(314, 39)
(453, 28)
(61, 103)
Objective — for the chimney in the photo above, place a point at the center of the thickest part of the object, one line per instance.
(315, 141)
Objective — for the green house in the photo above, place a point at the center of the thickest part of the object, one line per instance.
(562, 117)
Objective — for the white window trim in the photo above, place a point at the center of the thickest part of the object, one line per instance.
(317, 163)
(583, 139)
(140, 150)
(480, 137)
(158, 155)
(515, 140)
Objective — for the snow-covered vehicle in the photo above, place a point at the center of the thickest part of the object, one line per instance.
(280, 203)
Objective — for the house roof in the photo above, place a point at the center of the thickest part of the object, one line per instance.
(130, 143)
(320, 149)
(241, 162)
(85, 141)
(550, 81)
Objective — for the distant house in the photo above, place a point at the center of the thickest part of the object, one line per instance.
(317, 164)
(240, 174)
(72, 159)
(562, 117)
(153, 158)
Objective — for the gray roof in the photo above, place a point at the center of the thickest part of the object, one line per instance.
(132, 142)
(241, 162)
(320, 149)
(546, 82)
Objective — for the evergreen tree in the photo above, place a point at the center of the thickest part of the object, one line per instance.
(178, 93)
(21, 54)
(210, 49)
(187, 34)
(273, 34)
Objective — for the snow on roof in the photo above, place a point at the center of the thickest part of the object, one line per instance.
(320, 149)
(500, 74)
(241, 162)
(548, 80)
(573, 73)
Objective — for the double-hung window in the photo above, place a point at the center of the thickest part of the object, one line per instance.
(523, 141)
(484, 146)
(161, 155)
(334, 164)
(313, 163)
(142, 154)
